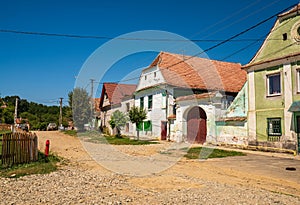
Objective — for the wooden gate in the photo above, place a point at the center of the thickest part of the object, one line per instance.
(163, 133)
(196, 125)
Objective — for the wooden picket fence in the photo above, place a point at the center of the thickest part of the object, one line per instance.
(18, 148)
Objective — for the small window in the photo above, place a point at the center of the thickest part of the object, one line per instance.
(127, 107)
(154, 74)
(274, 128)
(142, 103)
(145, 77)
(284, 36)
(298, 81)
(274, 84)
(150, 102)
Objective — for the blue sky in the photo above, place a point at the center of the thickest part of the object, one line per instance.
(44, 68)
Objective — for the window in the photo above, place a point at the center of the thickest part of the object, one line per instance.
(145, 77)
(274, 87)
(274, 129)
(298, 80)
(144, 126)
(142, 102)
(127, 127)
(150, 102)
(284, 36)
(147, 126)
(154, 74)
(127, 107)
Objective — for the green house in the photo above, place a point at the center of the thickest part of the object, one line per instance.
(274, 86)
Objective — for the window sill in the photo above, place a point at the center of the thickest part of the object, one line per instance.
(274, 95)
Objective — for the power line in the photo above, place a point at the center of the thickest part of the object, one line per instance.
(225, 41)
(123, 39)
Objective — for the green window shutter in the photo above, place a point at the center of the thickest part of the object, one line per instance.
(139, 126)
(147, 126)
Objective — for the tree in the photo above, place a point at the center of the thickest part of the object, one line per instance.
(81, 108)
(118, 120)
(137, 115)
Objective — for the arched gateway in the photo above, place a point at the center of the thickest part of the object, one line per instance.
(196, 125)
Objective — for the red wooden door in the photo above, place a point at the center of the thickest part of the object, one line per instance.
(163, 133)
(196, 125)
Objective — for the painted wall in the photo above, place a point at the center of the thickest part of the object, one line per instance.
(150, 77)
(262, 101)
(232, 132)
(123, 109)
(279, 48)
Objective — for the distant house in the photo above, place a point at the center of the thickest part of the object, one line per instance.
(184, 96)
(111, 100)
(274, 86)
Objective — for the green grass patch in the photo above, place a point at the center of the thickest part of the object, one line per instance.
(70, 132)
(205, 153)
(96, 137)
(42, 166)
(120, 140)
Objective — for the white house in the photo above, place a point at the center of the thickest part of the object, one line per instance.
(184, 96)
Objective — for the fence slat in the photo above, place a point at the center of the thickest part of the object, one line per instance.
(18, 148)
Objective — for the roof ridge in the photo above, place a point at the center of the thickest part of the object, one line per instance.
(190, 57)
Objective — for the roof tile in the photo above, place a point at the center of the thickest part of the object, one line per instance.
(201, 73)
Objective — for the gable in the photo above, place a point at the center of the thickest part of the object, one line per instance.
(283, 39)
(150, 77)
(112, 93)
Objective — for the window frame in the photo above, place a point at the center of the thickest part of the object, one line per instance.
(142, 103)
(268, 84)
(298, 80)
(273, 133)
(127, 107)
(150, 102)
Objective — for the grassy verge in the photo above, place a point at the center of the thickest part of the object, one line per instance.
(205, 153)
(42, 166)
(70, 132)
(95, 137)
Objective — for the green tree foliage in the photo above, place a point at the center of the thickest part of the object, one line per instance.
(118, 120)
(137, 115)
(81, 107)
(38, 115)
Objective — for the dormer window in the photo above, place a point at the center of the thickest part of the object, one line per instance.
(284, 36)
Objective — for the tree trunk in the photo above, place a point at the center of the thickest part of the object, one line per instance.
(138, 134)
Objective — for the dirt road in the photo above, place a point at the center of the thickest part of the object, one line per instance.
(251, 179)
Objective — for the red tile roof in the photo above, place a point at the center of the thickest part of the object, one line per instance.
(97, 104)
(196, 96)
(201, 73)
(115, 92)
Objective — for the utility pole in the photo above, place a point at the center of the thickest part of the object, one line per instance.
(60, 111)
(92, 102)
(15, 115)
